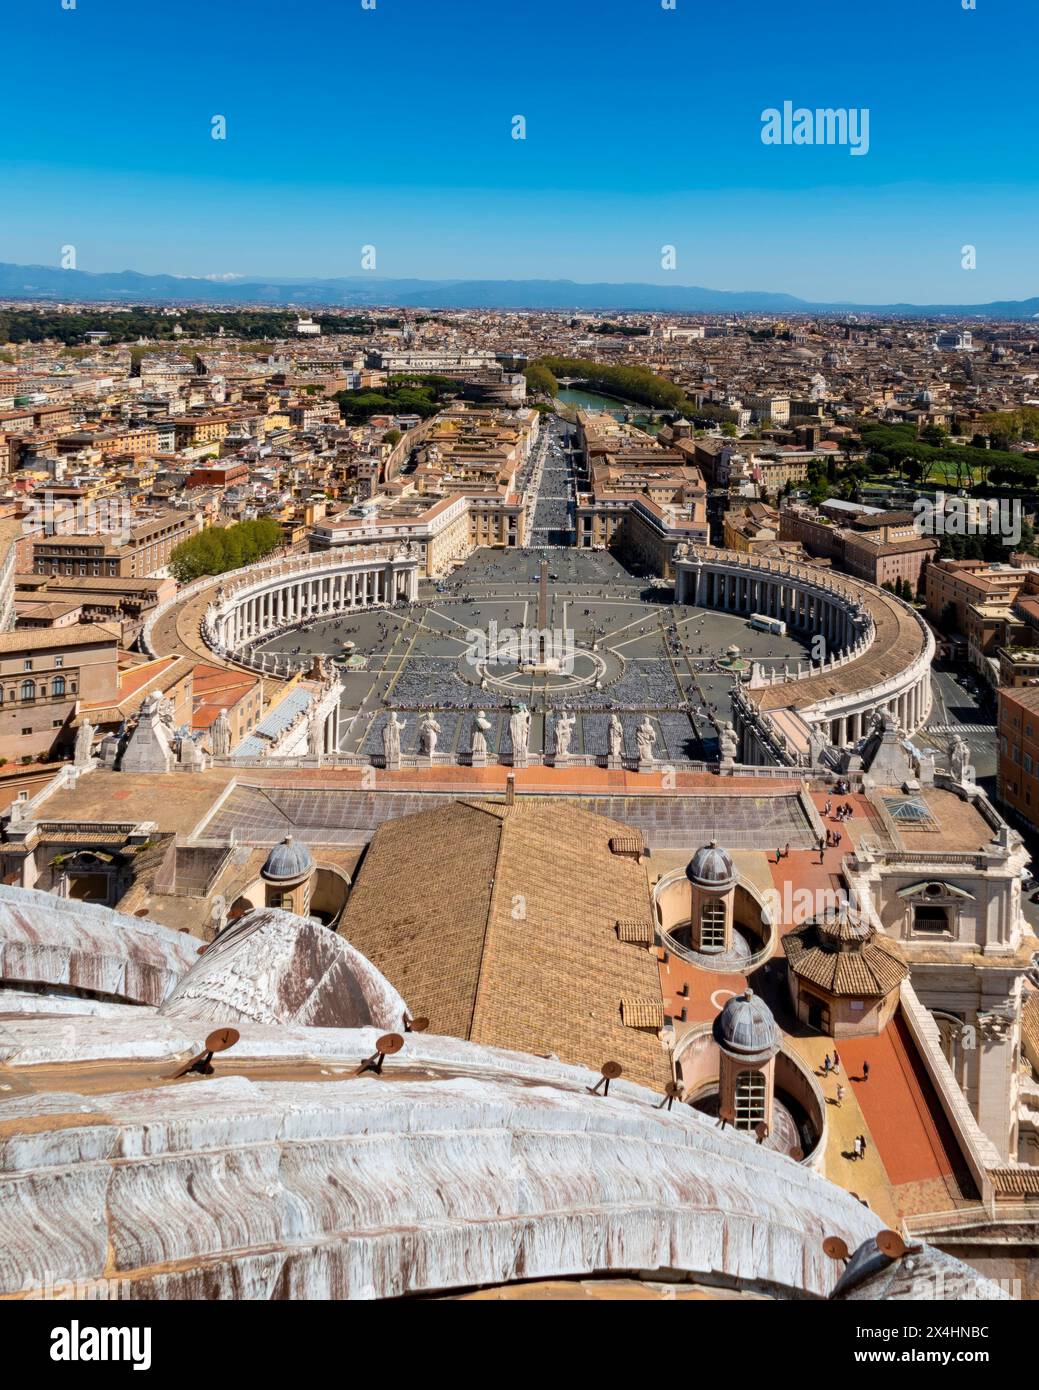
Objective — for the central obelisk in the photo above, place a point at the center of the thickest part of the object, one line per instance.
(536, 660)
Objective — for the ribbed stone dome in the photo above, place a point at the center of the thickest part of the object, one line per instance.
(711, 867)
(746, 1028)
(288, 861)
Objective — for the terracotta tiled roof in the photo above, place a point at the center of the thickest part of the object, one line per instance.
(873, 968)
(500, 924)
(81, 635)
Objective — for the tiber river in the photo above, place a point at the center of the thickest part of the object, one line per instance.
(591, 400)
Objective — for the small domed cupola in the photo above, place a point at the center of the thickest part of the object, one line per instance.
(288, 863)
(288, 873)
(748, 1041)
(711, 868)
(712, 889)
(746, 1029)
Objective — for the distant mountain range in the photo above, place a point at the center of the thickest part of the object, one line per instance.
(42, 282)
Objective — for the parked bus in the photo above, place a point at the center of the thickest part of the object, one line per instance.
(761, 623)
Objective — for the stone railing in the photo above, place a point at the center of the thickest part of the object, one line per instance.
(705, 962)
(629, 765)
(967, 859)
(981, 1155)
(962, 1219)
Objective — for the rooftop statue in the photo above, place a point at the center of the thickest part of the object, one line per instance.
(481, 728)
(728, 743)
(519, 729)
(391, 732)
(564, 729)
(429, 729)
(615, 737)
(645, 738)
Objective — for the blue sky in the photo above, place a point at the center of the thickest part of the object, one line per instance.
(392, 127)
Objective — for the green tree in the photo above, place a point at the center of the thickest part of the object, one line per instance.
(636, 384)
(541, 382)
(222, 548)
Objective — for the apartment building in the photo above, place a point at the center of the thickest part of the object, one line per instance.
(772, 472)
(226, 473)
(641, 497)
(44, 674)
(142, 552)
(953, 585)
(751, 529)
(238, 695)
(467, 446)
(887, 549)
(768, 409)
(136, 440)
(120, 603)
(1017, 729)
(877, 546)
(190, 431)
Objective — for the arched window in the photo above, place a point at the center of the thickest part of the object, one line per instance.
(712, 925)
(58, 687)
(28, 690)
(750, 1099)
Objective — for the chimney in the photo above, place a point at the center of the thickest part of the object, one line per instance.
(510, 789)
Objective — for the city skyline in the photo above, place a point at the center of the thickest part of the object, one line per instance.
(312, 170)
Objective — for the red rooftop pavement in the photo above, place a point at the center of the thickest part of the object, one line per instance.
(903, 1111)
